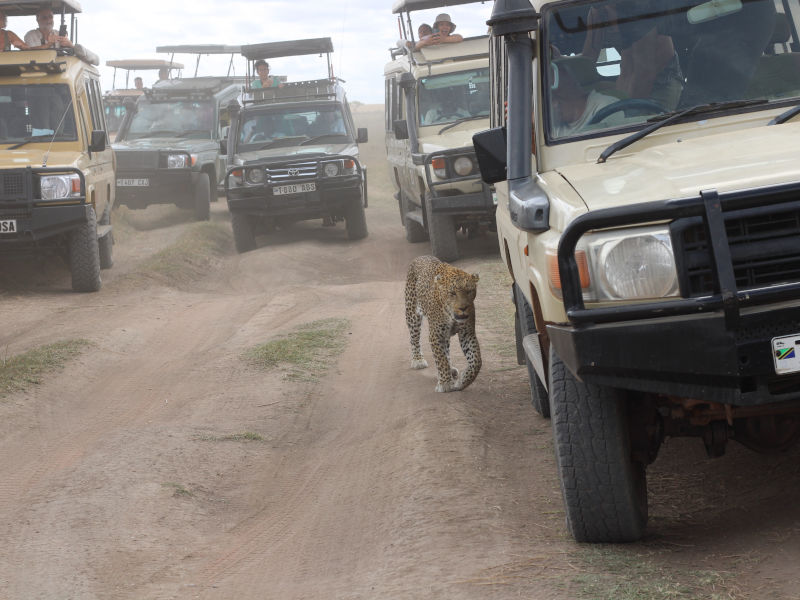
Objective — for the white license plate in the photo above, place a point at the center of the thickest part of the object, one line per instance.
(295, 188)
(133, 182)
(8, 226)
(786, 354)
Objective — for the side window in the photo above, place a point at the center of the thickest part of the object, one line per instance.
(391, 103)
(93, 98)
(498, 76)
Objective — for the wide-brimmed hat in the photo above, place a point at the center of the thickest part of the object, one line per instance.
(445, 18)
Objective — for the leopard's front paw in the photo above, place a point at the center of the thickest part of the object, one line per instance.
(419, 363)
(447, 386)
(454, 373)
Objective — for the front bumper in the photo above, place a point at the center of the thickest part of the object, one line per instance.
(332, 196)
(36, 220)
(164, 185)
(715, 345)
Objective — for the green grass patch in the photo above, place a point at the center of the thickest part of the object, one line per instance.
(18, 373)
(191, 255)
(612, 573)
(178, 490)
(304, 353)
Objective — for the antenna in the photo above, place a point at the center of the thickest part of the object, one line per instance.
(55, 133)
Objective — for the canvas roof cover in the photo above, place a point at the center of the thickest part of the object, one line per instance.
(287, 48)
(16, 8)
(199, 49)
(143, 64)
(412, 5)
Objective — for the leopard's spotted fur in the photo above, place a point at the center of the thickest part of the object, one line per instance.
(446, 296)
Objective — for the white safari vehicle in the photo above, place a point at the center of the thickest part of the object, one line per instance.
(649, 213)
(436, 99)
(56, 167)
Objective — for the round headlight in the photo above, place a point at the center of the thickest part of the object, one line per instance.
(331, 169)
(255, 176)
(55, 187)
(463, 166)
(639, 267)
(177, 161)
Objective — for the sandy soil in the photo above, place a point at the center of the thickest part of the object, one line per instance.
(125, 475)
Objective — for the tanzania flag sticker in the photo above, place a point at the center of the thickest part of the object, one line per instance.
(786, 354)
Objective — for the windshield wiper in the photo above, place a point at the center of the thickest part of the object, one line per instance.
(785, 116)
(461, 120)
(316, 138)
(26, 141)
(668, 118)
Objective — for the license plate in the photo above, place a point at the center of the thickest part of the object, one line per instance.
(786, 354)
(133, 182)
(295, 188)
(8, 226)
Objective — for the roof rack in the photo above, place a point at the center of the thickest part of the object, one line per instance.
(200, 50)
(191, 88)
(289, 48)
(26, 8)
(139, 64)
(295, 91)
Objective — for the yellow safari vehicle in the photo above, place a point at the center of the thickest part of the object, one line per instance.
(56, 167)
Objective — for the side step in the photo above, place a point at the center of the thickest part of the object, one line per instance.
(534, 353)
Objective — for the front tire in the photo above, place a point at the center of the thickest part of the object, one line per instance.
(604, 489)
(202, 197)
(84, 256)
(356, 220)
(244, 235)
(442, 233)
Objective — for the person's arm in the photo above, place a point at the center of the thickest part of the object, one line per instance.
(18, 43)
(450, 39)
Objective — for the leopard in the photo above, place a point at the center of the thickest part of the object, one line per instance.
(445, 295)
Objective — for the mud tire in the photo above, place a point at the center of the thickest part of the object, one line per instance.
(84, 256)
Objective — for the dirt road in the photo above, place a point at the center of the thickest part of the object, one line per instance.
(159, 463)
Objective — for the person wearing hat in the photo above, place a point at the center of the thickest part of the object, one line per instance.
(443, 29)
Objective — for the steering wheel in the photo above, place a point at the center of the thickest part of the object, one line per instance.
(626, 104)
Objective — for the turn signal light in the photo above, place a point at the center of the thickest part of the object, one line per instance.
(555, 275)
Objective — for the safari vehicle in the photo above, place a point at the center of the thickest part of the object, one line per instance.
(56, 169)
(114, 100)
(654, 242)
(293, 152)
(169, 145)
(436, 99)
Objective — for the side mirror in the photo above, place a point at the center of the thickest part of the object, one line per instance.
(400, 129)
(98, 141)
(490, 150)
(363, 135)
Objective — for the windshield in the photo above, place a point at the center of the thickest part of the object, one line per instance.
(29, 112)
(184, 118)
(295, 125)
(448, 98)
(621, 62)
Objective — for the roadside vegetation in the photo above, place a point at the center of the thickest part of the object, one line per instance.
(18, 373)
(304, 353)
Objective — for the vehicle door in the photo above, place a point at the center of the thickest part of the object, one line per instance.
(99, 171)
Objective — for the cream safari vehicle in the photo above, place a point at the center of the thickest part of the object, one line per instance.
(649, 214)
(56, 167)
(436, 99)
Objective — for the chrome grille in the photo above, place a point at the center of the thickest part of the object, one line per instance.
(292, 172)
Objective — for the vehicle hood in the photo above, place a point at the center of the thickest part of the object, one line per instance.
(170, 143)
(459, 136)
(290, 152)
(743, 159)
(33, 155)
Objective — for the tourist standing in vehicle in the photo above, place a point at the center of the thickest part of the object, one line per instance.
(10, 38)
(44, 36)
(138, 83)
(264, 80)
